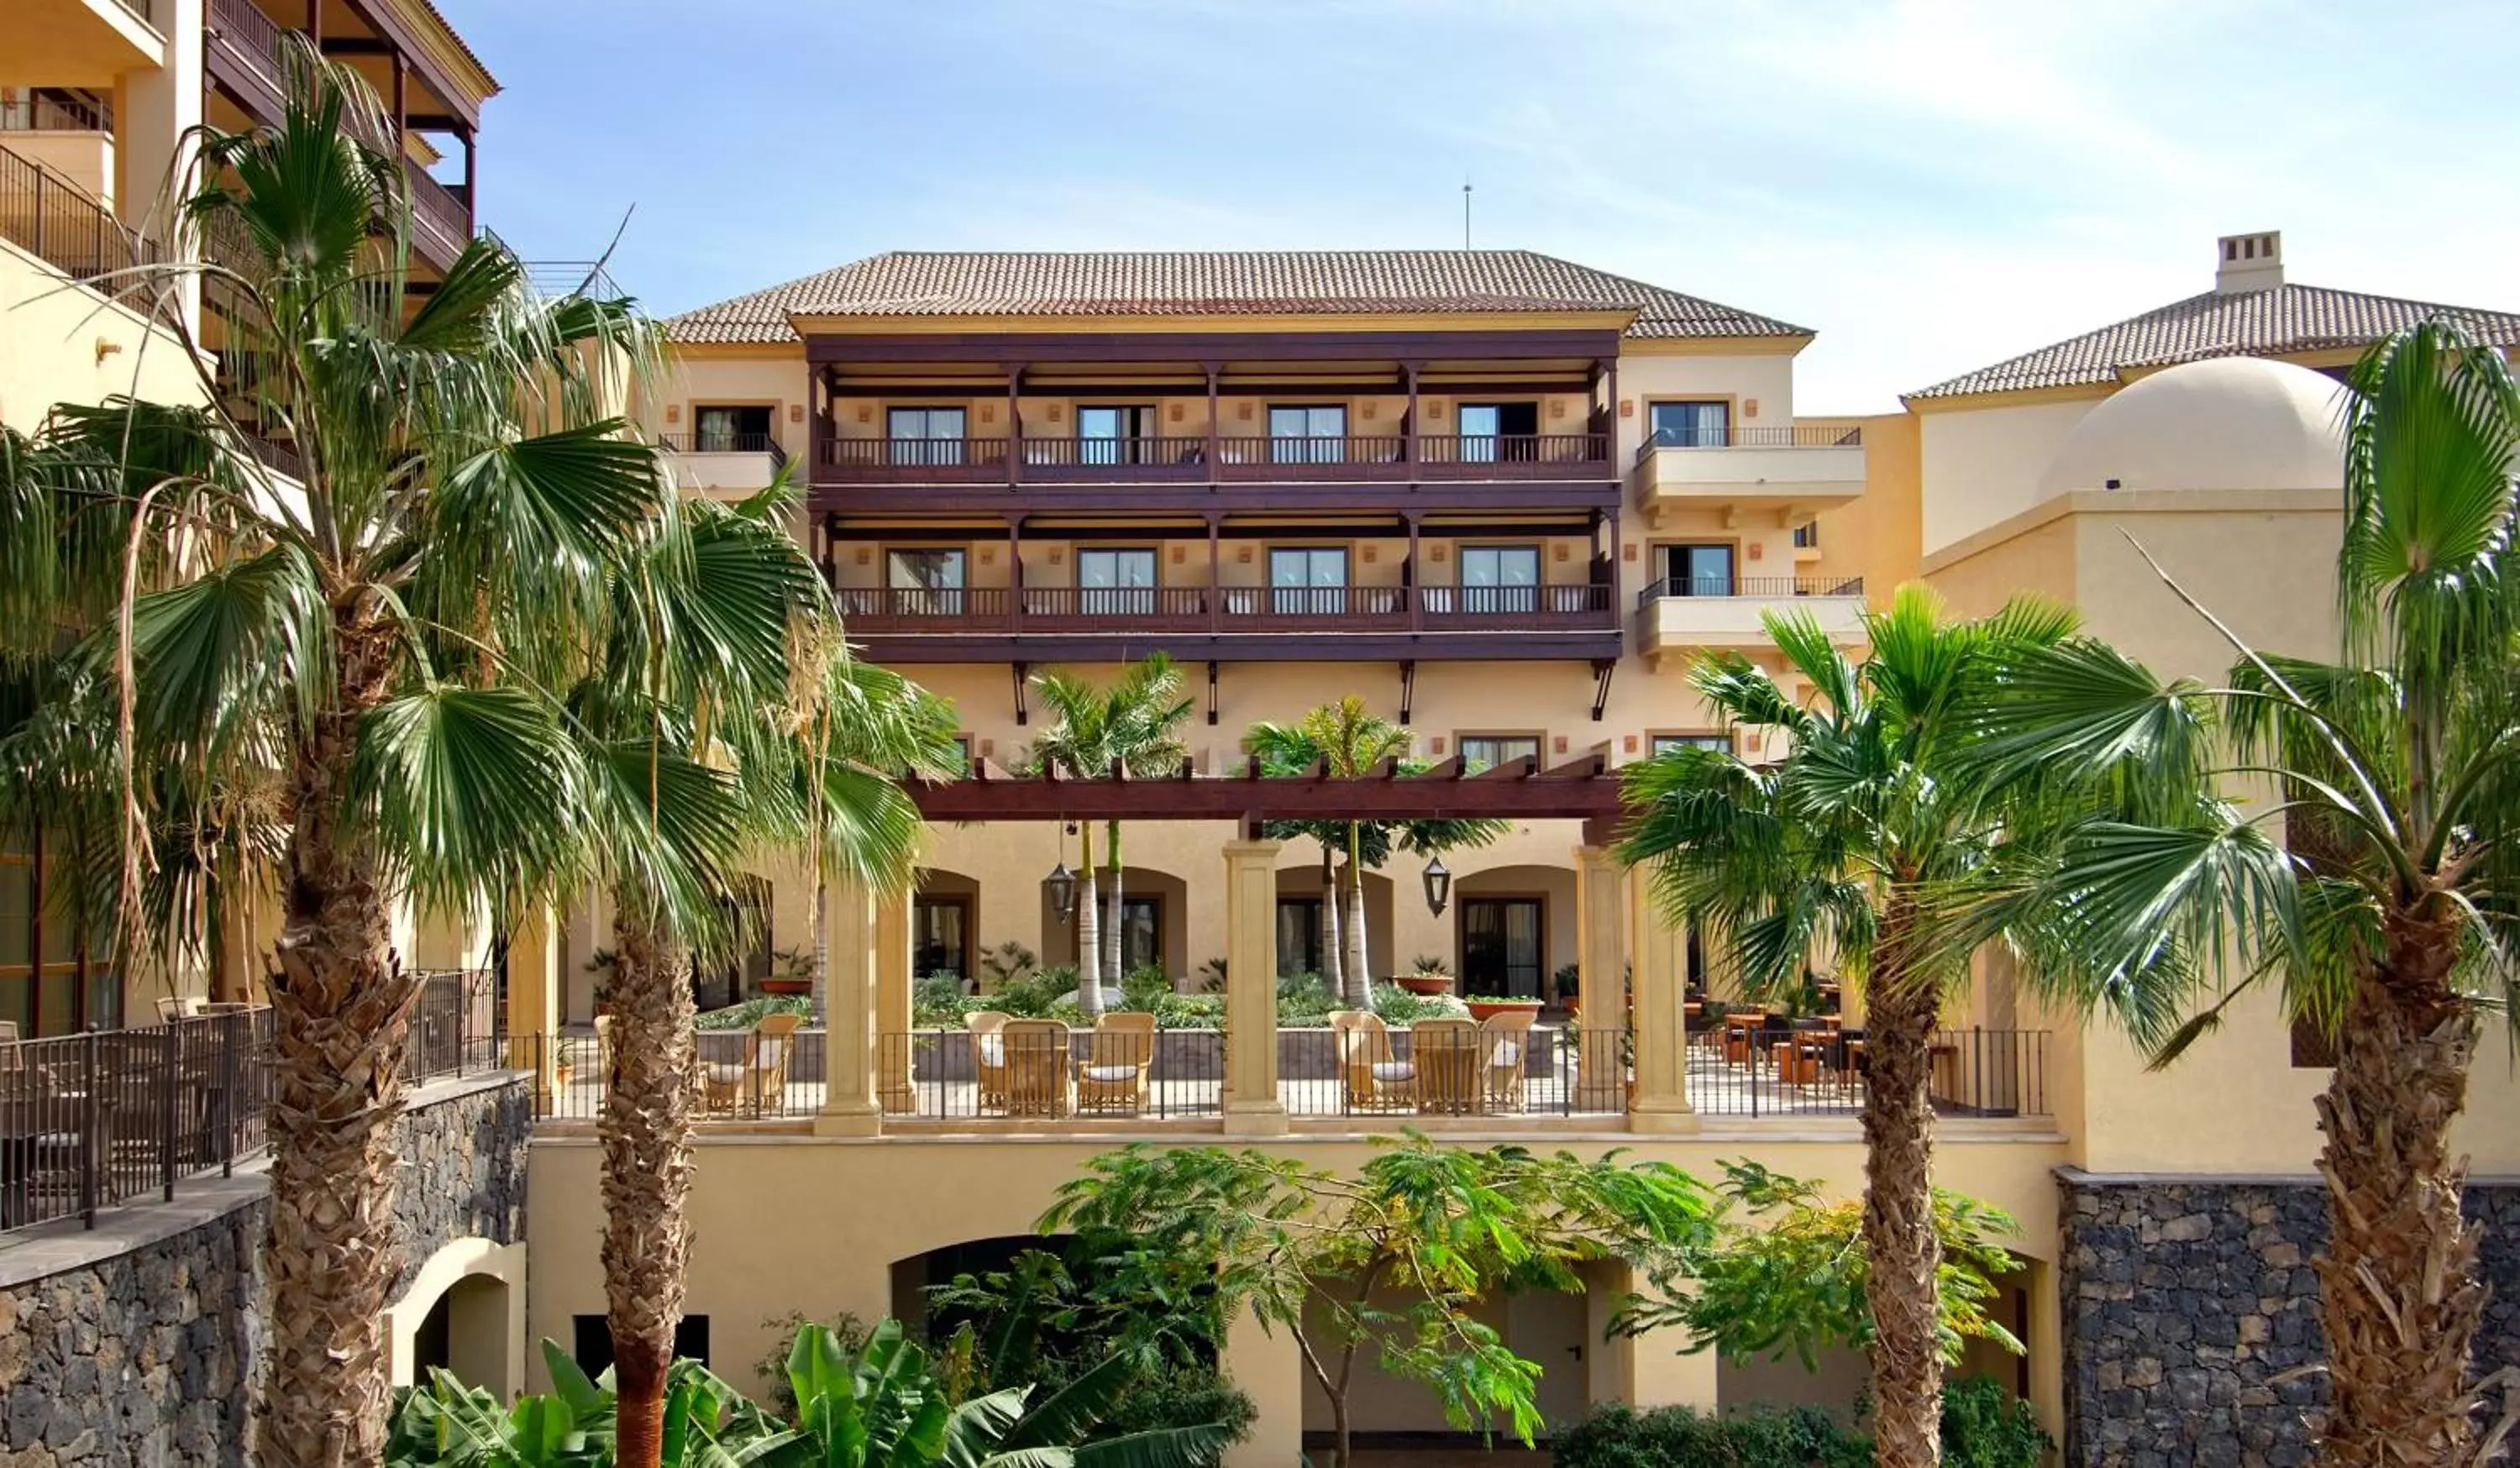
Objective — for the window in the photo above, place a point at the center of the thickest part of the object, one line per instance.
(925, 435)
(1141, 933)
(730, 430)
(1114, 435)
(1499, 578)
(43, 998)
(1692, 426)
(591, 1341)
(1807, 535)
(1308, 435)
(1308, 581)
(1116, 583)
(1696, 570)
(925, 582)
(1493, 431)
(1665, 743)
(1487, 751)
(938, 936)
(1299, 936)
(1502, 950)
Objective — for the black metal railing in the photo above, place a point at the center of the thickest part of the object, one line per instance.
(1793, 436)
(1750, 586)
(1048, 1072)
(1756, 1065)
(737, 1076)
(1455, 1068)
(65, 227)
(723, 443)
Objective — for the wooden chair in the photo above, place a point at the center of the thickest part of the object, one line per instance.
(1506, 1039)
(1448, 1057)
(1741, 1036)
(988, 1054)
(1038, 1075)
(1374, 1080)
(1113, 1075)
(759, 1081)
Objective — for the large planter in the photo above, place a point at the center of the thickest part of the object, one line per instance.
(1428, 985)
(797, 987)
(1484, 1008)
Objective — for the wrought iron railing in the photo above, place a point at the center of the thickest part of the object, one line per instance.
(67, 228)
(1789, 436)
(1750, 586)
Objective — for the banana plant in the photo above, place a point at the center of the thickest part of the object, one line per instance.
(708, 1424)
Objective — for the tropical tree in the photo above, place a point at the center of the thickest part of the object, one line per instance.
(1883, 842)
(369, 631)
(2388, 924)
(1134, 724)
(1396, 1257)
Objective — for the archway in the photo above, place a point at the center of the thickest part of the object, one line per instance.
(464, 1311)
(1301, 937)
(1515, 931)
(1156, 915)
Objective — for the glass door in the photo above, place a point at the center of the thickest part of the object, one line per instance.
(1692, 426)
(929, 436)
(1308, 581)
(1141, 933)
(1116, 583)
(1299, 936)
(1698, 570)
(1500, 579)
(1502, 950)
(1112, 436)
(1495, 432)
(938, 942)
(926, 583)
(1308, 435)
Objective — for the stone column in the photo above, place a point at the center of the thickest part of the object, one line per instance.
(154, 108)
(1601, 962)
(1657, 994)
(534, 1017)
(850, 1107)
(1267, 1367)
(892, 1000)
(1251, 1104)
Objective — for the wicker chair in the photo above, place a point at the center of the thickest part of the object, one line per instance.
(1374, 1080)
(758, 1082)
(1113, 1075)
(1038, 1075)
(988, 1054)
(1506, 1040)
(1447, 1055)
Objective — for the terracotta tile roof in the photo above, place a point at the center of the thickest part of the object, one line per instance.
(2268, 322)
(429, 9)
(1329, 283)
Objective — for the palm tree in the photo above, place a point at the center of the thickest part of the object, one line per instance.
(371, 635)
(1135, 723)
(2389, 925)
(1881, 841)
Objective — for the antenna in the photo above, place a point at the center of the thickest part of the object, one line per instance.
(1466, 211)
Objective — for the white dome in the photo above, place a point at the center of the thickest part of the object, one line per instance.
(2227, 422)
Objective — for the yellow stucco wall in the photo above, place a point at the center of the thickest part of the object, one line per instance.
(1879, 535)
(61, 342)
(1981, 465)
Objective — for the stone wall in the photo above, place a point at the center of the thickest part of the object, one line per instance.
(135, 1343)
(2186, 1298)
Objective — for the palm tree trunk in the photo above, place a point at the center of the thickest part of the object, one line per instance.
(822, 953)
(2399, 1294)
(1089, 934)
(341, 1017)
(646, 1131)
(1360, 978)
(1903, 1254)
(1334, 954)
(1112, 962)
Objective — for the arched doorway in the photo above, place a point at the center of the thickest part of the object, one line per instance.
(464, 1312)
(1514, 929)
(1154, 924)
(944, 926)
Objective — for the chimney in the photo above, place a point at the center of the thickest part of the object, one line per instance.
(2248, 262)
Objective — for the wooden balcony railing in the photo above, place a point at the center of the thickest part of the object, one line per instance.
(1065, 609)
(252, 37)
(55, 109)
(1513, 450)
(437, 210)
(1769, 587)
(1187, 458)
(923, 460)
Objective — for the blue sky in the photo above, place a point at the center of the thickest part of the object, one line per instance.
(1931, 185)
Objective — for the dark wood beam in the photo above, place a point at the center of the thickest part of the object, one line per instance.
(1580, 796)
(1191, 345)
(1250, 647)
(1544, 496)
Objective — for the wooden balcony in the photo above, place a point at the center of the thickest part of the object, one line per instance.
(1329, 623)
(1214, 463)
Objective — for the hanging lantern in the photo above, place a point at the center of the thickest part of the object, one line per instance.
(1439, 886)
(1062, 891)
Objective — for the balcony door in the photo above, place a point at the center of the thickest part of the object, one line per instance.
(1116, 583)
(738, 430)
(930, 436)
(1502, 949)
(1692, 426)
(1496, 431)
(1499, 579)
(926, 583)
(1697, 571)
(1299, 936)
(1314, 433)
(1141, 933)
(1114, 435)
(1308, 581)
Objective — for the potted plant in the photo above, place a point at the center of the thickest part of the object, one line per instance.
(791, 972)
(565, 1050)
(1430, 975)
(1487, 1007)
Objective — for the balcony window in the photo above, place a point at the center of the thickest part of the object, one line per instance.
(1499, 578)
(1114, 435)
(1308, 581)
(1692, 426)
(1807, 535)
(1308, 435)
(1696, 570)
(930, 436)
(1116, 583)
(939, 936)
(1665, 743)
(1492, 433)
(925, 582)
(1487, 751)
(735, 429)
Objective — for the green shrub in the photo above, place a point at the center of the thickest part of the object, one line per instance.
(1984, 1428)
(1145, 987)
(1618, 1436)
(1397, 1006)
(1189, 1011)
(752, 1012)
(937, 1000)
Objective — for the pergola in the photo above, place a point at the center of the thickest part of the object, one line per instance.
(1620, 944)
